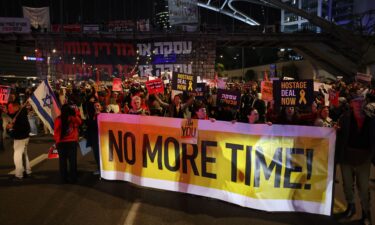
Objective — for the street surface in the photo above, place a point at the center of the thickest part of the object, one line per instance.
(43, 200)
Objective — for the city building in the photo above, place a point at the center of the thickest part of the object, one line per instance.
(351, 14)
(357, 15)
(292, 23)
(161, 15)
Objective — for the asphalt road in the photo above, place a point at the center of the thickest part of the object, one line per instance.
(43, 200)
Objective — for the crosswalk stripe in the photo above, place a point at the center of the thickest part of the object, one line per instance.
(33, 162)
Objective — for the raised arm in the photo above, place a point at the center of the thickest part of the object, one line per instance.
(164, 104)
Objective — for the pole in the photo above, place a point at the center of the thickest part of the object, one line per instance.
(62, 34)
(243, 62)
(61, 16)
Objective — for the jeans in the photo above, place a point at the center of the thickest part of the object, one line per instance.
(33, 124)
(1, 139)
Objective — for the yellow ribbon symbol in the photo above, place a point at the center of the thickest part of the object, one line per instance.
(302, 97)
(190, 88)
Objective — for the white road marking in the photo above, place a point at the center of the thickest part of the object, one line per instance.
(33, 162)
(132, 213)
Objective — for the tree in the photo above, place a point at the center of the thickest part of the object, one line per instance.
(219, 69)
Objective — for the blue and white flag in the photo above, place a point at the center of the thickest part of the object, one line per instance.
(44, 103)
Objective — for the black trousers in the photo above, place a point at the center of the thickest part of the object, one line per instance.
(68, 153)
(1, 137)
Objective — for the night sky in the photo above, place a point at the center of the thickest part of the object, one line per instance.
(99, 11)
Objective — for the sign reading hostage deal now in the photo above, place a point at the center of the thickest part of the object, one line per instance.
(293, 93)
(184, 82)
(272, 168)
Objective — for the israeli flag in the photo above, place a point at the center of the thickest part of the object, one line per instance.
(44, 103)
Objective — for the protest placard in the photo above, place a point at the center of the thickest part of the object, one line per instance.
(155, 86)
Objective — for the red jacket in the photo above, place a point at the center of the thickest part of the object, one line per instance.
(73, 134)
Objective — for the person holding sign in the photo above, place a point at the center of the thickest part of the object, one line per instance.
(289, 116)
(155, 108)
(176, 109)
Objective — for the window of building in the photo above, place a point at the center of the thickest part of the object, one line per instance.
(289, 17)
(291, 28)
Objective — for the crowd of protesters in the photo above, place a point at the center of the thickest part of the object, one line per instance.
(350, 109)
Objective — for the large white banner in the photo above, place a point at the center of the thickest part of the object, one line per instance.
(183, 12)
(14, 25)
(272, 168)
(39, 17)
